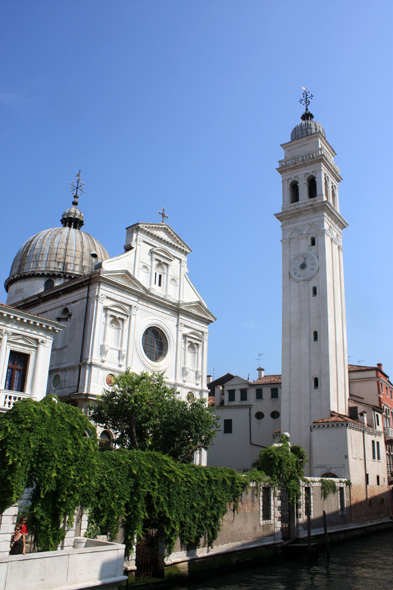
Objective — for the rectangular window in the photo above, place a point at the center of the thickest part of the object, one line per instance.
(274, 392)
(378, 452)
(381, 387)
(377, 419)
(231, 395)
(341, 500)
(243, 395)
(307, 500)
(266, 504)
(259, 394)
(227, 426)
(377, 480)
(367, 479)
(16, 371)
(373, 449)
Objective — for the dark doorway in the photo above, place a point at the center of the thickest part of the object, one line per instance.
(285, 514)
(147, 554)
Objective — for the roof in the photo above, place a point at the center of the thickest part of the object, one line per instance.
(336, 417)
(220, 381)
(33, 318)
(267, 379)
(358, 368)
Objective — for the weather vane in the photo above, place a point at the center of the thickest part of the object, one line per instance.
(306, 98)
(162, 213)
(77, 188)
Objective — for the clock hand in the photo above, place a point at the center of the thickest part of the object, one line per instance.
(303, 264)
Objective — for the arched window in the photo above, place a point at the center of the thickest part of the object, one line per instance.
(314, 291)
(312, 241)
(105, 439)
(49, 284)
(294, 188)
(312, 187)
(315, 336)
(316, 383)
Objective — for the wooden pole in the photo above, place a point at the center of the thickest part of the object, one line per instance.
(309, 535)
(326, 536)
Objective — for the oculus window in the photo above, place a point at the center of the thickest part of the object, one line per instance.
(275, 415)
(259, 415)
(155, 344)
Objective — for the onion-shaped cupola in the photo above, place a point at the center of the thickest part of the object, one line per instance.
(307, 126)
(55, 255)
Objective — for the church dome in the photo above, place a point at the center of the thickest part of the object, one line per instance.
(306, 127)
(65, 252)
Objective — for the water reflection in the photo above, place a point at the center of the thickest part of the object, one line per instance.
(355, 565)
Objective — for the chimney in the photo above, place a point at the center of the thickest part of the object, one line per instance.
(218, 395)
(380, 366)
(208, 379)
(261, 372)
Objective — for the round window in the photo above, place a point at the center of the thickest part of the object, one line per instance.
(275, 415)
(56, 381)
(259, 415)
(155, 344)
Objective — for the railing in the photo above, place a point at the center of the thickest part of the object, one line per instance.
(388, 433)
(8, 398)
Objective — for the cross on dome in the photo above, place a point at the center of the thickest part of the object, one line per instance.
(77, 186)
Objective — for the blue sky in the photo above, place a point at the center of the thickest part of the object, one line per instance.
(183, 104)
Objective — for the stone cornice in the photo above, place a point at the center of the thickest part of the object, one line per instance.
(299, 210)
(29, 319)
(350, 425)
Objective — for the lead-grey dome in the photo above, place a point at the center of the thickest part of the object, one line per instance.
(60, 251)
(306, 127)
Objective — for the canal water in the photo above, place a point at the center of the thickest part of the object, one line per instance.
(362, 564)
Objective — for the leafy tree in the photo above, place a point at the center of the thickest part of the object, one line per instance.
(145, 414)
(284, 464)
(51, 448)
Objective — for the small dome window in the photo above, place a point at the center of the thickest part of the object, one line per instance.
(312, 187)
(294, 188)
(49, 284)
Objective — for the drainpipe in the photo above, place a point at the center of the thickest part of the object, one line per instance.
(365, 463)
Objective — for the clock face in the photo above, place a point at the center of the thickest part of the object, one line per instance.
(304, 266)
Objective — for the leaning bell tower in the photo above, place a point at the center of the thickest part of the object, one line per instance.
(314, 338)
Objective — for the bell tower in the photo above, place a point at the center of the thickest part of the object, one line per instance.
(314, 338)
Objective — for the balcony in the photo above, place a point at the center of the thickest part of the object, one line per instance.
(8, 398)
(388, 433)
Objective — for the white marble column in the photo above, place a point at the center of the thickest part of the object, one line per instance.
(3, 351)
(35, 386)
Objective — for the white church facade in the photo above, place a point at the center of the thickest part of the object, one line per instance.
(138, 310)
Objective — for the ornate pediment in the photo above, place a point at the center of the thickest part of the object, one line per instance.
(165, 234)
(199, 309)
(22, 340)
(125, 278)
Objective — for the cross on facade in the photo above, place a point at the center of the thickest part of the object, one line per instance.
(162, 213)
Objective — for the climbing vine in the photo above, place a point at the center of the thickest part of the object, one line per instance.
(284, 465)
(328, 486)
(51, 448)
(150, 490)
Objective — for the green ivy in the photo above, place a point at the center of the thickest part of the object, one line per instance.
(328, 486)
(51, 448)
(185, 501)
(284, 465)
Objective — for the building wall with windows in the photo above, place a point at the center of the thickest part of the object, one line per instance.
(249, 413)
(25, 349)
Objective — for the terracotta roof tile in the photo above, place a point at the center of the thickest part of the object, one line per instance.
(353, 368)
(267, 379)
(336, 417)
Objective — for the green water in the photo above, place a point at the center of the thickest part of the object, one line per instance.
(364, 564)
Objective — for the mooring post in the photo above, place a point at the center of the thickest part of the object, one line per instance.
(310, 555)
(326, 535)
